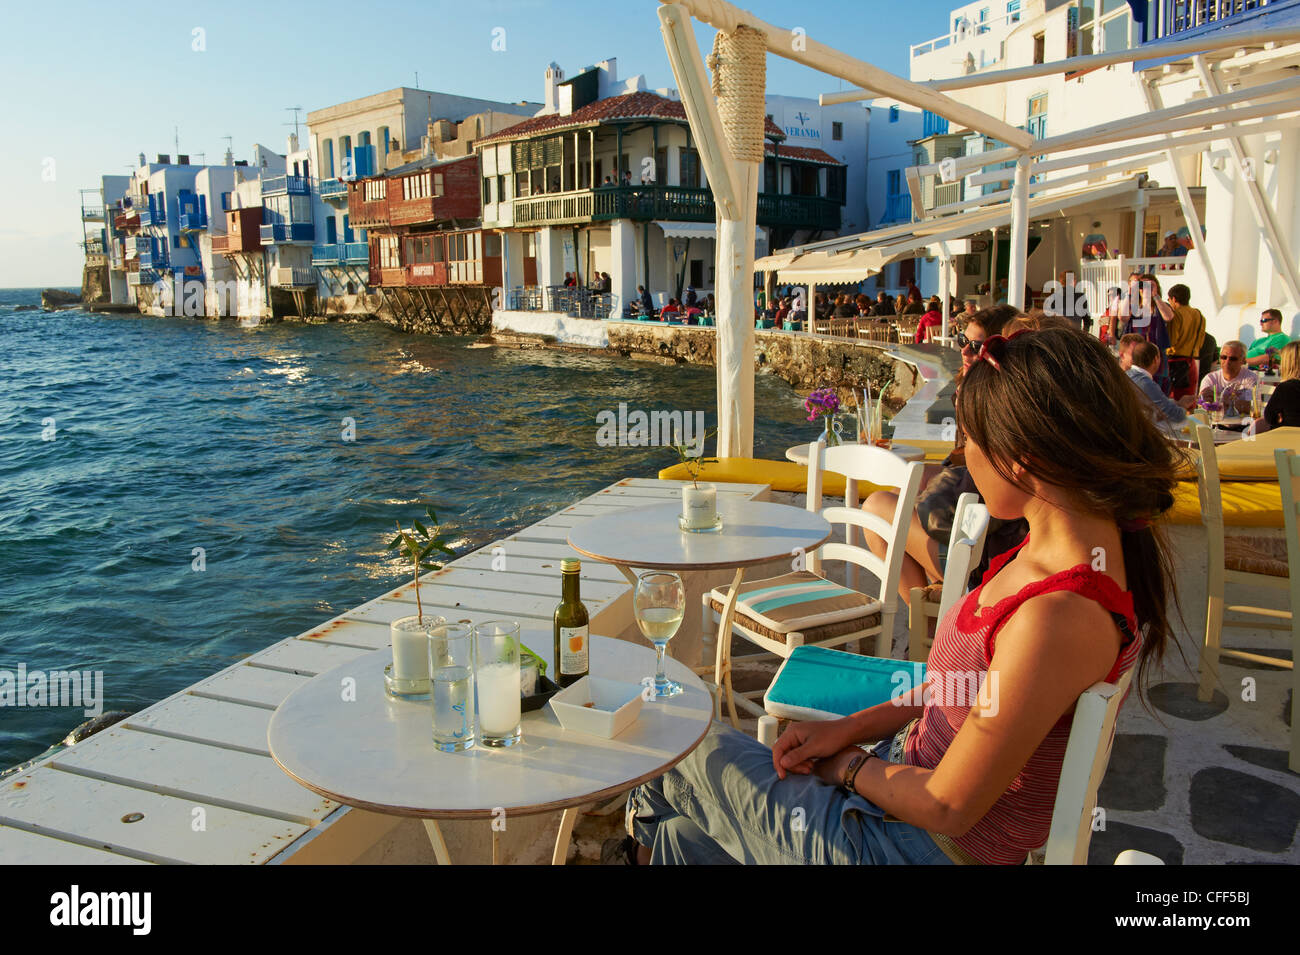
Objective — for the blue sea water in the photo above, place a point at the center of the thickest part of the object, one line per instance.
(174, 434)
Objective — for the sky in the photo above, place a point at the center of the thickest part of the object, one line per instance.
(89, 85)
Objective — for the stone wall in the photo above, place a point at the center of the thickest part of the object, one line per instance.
(805, 361)
(95, 287)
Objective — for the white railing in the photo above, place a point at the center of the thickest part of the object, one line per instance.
(1098, 275)
(967, 30)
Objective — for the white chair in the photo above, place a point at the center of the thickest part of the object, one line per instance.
(1239, 559)
(803, 607)
(1288, 475)
(970, 526)
(1087, 754)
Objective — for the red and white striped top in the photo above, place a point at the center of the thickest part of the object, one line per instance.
(963, 645)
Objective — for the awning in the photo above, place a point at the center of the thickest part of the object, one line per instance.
(696, 230)
(858, 257)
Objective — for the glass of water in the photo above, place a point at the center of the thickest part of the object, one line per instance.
(451, 672)
(497, 681)
(658, 605)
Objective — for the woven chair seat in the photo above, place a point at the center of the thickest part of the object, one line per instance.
(1256, 555)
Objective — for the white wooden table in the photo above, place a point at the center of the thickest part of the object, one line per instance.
(753, 532)
(799, 453)
(377, 753)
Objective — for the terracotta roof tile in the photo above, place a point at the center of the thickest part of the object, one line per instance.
(804, 152)
(640, 105)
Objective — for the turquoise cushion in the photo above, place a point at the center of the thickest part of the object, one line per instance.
(833, 681)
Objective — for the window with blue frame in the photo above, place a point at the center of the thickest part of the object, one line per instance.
(893, 114)
(1013, 11)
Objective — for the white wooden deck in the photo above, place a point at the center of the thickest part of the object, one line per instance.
(190, 779)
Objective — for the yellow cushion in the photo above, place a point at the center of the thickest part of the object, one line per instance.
(781, 475)
(1245, 504)
(1251, 459)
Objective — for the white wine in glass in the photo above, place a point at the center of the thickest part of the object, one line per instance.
(658, 604)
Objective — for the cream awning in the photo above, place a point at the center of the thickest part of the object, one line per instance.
(696, 230)
(858, 257)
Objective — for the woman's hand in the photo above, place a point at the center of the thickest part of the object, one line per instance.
(804, 743)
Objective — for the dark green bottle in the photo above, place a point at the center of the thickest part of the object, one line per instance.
(572, 637)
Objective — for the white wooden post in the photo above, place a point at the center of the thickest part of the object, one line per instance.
(1139, 225)
(1019, 234)
(993, 266)
(945, 289)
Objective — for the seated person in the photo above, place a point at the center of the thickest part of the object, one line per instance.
(1232, 383)
(690, 301)
(1283, 409)
(932, 319)
(670, 311)
(1271, 324)
(1143, 362)
(914, 304)
(975, 777)
(884, 305)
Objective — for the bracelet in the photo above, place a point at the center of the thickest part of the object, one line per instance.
(854, 767)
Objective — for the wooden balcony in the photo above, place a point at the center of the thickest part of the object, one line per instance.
(365, 213)
(243, 232)
(670, 203)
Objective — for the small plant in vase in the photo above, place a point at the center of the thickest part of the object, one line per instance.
(824, 403)
(408, 675)
(699, 501)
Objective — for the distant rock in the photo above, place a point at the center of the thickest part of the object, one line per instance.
(53, 297)
(24, 308)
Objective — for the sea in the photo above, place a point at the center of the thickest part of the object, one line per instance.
(178, 493)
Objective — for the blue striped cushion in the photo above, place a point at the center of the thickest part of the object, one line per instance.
(799, 602)
(835, 682)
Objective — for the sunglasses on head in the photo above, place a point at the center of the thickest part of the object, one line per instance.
(996, 343)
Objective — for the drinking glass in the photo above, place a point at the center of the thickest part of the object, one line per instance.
(496, 678)
(451, 670)
(658, 605)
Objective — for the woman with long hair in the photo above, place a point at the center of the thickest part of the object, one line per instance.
(1055, 435)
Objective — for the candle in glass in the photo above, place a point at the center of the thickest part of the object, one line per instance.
(699, 505)
(411, 648)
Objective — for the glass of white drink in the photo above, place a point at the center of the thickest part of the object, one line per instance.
(658, 605)
(451, 668)
(497, 681)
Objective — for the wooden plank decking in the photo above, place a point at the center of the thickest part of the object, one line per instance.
(190, 779)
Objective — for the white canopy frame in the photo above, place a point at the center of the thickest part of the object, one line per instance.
(734, 176)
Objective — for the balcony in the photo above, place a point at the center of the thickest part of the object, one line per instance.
(193, 221)
(898, 208)
(143, 277)
(333, 190)
(137, 243)
(653, 202)
(341, 253)
(293, 277)
(273, 232)
(673, 203)
(92, 213)
(796, 212)
(1187, 20)
(153, 259)
(279, 185)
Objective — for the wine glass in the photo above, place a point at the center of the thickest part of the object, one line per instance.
(658, 605)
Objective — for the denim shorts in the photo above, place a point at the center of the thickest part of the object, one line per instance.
(723, 804)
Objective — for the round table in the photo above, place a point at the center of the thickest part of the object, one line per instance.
(799, 453)
(753, 532)
(376, 753)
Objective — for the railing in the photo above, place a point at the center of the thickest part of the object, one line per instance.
(332, 189)
(350, 253)
(947, 192)
(93, 246)
(193, 221)
(92, 212)
(672, 203)
(544, 210)
(574, 302)
(288, 232)
(968, 30)
(1180, 16)
(295, 276)
(153, 259)
(898, 208)
(143, 277)
(294, 185)
(147, 216)
(138, 243)
(804, 212)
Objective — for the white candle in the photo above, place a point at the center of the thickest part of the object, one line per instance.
(699, 505)
(410, 649)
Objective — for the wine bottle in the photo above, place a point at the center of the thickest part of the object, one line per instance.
(571, 632)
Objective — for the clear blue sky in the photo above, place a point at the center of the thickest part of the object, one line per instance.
(90, 85)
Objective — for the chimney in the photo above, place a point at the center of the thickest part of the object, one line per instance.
(142, 159)
(230, 157)
(182, 159)
(293, 142)
(554, 76)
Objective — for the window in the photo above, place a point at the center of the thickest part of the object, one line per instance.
(1086, 26)
(501, 188)
(437, 184)
(375, 189)
(328, 162)
(439, 248)
(1037, 116)
(1039, 47)
(893, 114)
(837, 131)
(487, 190)
(690, 169)
(383, 140)
(1013, 11)
(225, 202)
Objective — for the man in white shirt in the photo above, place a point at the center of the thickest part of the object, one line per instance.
(1233, 383)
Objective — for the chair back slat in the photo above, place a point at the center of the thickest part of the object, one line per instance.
(1207, 471)
(1092, 733)
(970, 526)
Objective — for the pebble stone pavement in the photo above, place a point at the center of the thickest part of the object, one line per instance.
(1188, 782)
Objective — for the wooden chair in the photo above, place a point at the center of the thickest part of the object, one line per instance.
(1237, 560)
(804, 607)
(1087, 754)
(1288, 475)
(970, 526)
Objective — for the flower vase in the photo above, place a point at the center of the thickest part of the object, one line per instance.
(833, 435)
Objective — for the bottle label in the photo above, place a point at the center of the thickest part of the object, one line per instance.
(573, 650)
